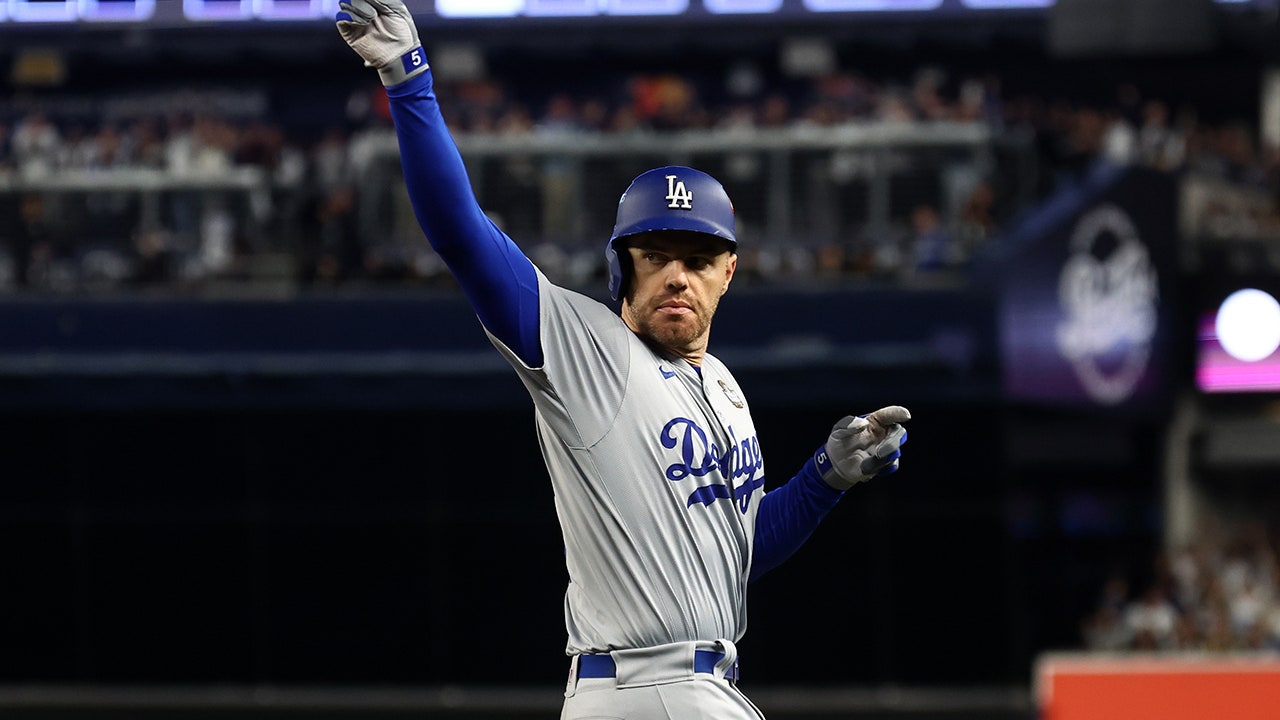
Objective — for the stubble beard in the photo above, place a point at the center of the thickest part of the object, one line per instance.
(677, 334)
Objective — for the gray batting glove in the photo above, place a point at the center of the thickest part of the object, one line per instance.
(383, 33)
(861, 448)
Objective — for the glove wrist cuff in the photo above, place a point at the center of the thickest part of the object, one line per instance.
(827, 470)
(823, 461)
(411, 63)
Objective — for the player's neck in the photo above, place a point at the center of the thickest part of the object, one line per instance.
(693, 354)
(694, 358)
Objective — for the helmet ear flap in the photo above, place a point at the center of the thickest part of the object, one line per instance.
(621, 268)
(627, 270)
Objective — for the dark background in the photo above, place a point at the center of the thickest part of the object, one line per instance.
(200, 517)
(240, 527)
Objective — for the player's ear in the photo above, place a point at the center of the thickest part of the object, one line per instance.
(730, 267)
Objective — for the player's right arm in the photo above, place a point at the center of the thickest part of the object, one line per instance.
(497, 278)
(857, 450)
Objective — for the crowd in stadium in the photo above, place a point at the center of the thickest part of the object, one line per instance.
(310, 216)
(1218, 593)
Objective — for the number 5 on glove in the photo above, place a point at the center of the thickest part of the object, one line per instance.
(383, 33)
(860, 448)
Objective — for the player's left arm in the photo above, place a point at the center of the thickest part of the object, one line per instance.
(857, 450)
(498, 279)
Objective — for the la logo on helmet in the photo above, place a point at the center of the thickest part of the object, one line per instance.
(678, 197)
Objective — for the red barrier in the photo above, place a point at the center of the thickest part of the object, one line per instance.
(1160, 687)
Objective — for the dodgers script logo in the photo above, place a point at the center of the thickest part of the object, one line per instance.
(1110, 300)
(699, 457)
(678, 197)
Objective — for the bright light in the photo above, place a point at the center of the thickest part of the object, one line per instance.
(1248, 325)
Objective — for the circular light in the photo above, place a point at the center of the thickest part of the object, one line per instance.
(1248, 325)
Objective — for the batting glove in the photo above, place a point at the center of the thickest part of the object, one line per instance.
(861, 448)
(382, 32)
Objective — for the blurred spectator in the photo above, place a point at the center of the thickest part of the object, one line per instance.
(331, 249)
(1159, 145)
(38, 247)
(839, 97)
(1106, 629)
(977, 221)
(155, 258)
(1241, 159)
(213, 143)
(666, 102)
(1128, 104)
(559, 172)
(740, 116)
(351, 190)
(1151, 621)
(259, 143)
(932, 247)
(36, 144)
(1188, 569)
(775, 111)
(831, 261)
(894, 106)
(179, 146)
(515, 120)
(980, 101)
(111, 149)
(926, 96)
(1085, 140)
(594, 115)
(147, 142)
(331, 162)
(1120, 139)
(1217, 594)
(76, 149)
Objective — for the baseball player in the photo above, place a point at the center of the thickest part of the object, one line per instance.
(653, 456)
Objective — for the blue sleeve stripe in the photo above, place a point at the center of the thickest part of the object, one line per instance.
(498, 279)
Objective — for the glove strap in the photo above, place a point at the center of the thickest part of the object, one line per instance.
(823, 461)
(406, 66)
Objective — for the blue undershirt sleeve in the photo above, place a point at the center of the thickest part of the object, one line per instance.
(498, 279)
(788, 516)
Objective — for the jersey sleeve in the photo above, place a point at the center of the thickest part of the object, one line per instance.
(498, 279)
(582, 382)
(788, 516)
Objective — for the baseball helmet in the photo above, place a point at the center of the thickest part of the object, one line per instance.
(669, 198)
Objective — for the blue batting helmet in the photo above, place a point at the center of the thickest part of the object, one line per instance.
(669, 198)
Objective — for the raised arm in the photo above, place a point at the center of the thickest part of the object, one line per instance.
(497, 278)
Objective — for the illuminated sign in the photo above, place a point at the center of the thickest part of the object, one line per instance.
(1006, 4)
(117, 10)
(1085, 316)
(37, 11)
(1238, 344)
(729, 7)
(870, 5)
(176, 13)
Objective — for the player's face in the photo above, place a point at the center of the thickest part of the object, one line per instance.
(676, 283)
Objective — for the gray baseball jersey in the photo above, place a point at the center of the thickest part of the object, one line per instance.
(657, 474)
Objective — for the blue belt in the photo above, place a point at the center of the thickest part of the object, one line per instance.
(602, 666)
